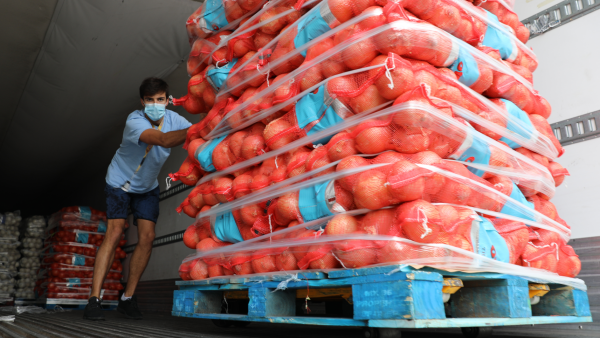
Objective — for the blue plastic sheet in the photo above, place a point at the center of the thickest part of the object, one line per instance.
(517, 195)
(465, 67)
(205, 156)
(313, 203)
(214, 14)
(312, 108)
(310, 26)
(218, 76)
(82, 237)
(476, 151)
(86, 212)
(78, 260)
(523, 127)
(488, 242)
(226, 229)
(497, 39)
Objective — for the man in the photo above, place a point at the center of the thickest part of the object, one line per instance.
(131, 181)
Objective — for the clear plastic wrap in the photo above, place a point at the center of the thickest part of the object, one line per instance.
(35, 233)
(81, 236)
(504, 10)
(10, 255)
(479, 71)
(227, 46)
(29, 253)
(72, 287)
(7, 282)
(26, 283)
(8, 243)
(28, 272)
(7, 285)
(215, 16)
(69, 271)
(531, 131)
(77, 213)
(10, 218)
(388, 179)
(361, 135)
(81, 293)
(475, 26)
(77, 260)
(489, 117)
(28, 293)
(9, 231)
(34, 244)
(78, 248)
(55, 282)
(416, 234)
(97, 226)
(29, 263)
(409, 127)
(518, 36)
(35, 222)
(211, 59)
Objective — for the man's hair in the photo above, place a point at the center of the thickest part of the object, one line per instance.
(152, 86)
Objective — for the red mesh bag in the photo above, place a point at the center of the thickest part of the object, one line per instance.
(539, 255)
(194, 234)
(516, 235)
(470, 24)
(558, 172)
(187, 208)
(184, 270)
(264, 26)
(213, 266)
(213, 17)
(416, 232)
(569, 264)
(242, 264)
(206, 52)
(198, 269)
(75, 213)
(188, 173)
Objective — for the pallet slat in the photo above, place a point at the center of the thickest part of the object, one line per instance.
(383, 297)
(563, 301)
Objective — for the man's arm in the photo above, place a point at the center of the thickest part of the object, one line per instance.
(166, 140)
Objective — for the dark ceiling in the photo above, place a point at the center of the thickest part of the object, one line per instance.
(70, 74)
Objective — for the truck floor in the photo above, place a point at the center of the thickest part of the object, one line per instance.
(70, 324)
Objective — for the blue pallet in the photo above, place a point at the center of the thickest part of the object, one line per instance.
(389, 297)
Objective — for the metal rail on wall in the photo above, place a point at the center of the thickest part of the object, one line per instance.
(558, 15)
(160, 241)
(172, 237)
(577, 129)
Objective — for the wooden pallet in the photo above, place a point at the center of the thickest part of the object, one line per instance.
(73, 304)
(383, 297)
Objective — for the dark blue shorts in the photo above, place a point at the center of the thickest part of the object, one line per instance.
(143, 206)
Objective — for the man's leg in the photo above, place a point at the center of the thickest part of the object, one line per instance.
(145, 214)
(117, 202)
(141, 255)
(106, 254)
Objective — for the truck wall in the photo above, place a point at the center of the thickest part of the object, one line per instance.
(568, 76)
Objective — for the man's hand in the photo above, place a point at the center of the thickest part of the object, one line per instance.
(166, 140)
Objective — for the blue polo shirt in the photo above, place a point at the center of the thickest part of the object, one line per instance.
(132, 150)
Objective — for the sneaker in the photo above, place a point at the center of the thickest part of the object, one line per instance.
(93, 309)
(130, 308)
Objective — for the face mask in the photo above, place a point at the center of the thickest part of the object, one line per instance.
(155, 111)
